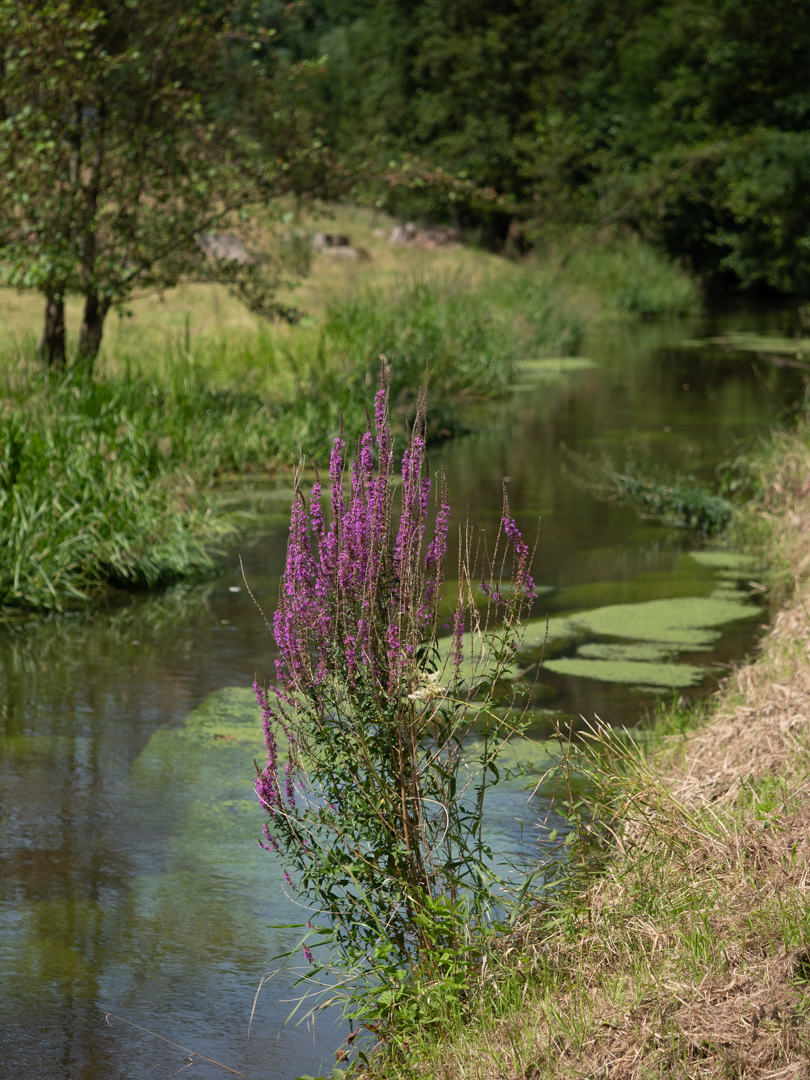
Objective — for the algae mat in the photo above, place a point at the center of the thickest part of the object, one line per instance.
(655, 630)
(687, 622)
(635, 672)
(746, 341)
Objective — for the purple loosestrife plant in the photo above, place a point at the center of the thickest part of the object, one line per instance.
(381, 736)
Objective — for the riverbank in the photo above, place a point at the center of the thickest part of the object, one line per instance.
(689, 956)
(115, 479)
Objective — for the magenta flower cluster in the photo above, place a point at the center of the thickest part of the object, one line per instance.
(351, 598)
(359, 599)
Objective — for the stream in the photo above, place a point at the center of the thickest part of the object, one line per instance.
(137, 912)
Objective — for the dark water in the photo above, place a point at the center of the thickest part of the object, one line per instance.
(130, 878)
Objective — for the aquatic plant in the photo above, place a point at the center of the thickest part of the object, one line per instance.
(683, 622)
(390, 742)
(635, 672)
(684, 502)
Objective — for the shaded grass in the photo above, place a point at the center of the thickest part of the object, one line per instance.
(633, 278)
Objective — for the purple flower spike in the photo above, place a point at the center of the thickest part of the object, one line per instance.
(369, 714)
(521, 578)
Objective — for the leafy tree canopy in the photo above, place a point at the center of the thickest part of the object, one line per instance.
(687, 118)
(119, 147)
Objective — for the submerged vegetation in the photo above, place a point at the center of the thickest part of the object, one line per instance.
(680, 501)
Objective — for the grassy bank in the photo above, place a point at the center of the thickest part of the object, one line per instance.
(113, 480)
(688, 953)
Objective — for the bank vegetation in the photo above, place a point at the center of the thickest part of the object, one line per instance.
(679, 942)
(113, 476)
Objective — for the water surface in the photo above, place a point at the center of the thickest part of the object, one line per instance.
(131, 882)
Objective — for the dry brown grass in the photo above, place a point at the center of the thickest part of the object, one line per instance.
(689, 956)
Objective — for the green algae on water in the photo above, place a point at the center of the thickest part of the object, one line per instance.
(654, 630)
(724, 560)
(554, 367)
(687, 621)
(747, 341)
(646, 651)
(628, 671)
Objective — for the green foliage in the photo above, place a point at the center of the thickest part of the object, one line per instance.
(635, 279)
(466, 338)
(116, 158)
(105, 480)
(465, 341)
(89, 494)
(453, 82)
(684, 502)
(684, 118)
(766, 180)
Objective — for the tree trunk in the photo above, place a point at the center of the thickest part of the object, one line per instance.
(95, 307)
(92, 329)
(52, 342)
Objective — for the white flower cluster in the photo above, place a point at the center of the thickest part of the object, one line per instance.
(429, 687)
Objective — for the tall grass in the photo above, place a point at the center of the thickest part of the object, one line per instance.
(633, 278)
(108, 480)
(91, 494)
